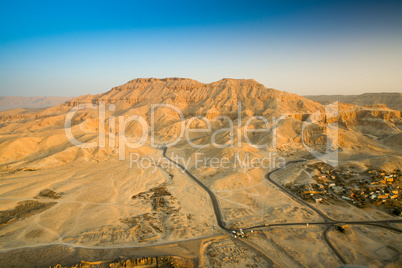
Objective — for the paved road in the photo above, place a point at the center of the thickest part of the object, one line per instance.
(219, 217)
(331, 246)
(372, 223)
(328, 221)
(215, 203)
(292, 195)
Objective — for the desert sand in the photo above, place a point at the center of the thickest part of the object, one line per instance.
(69, 204)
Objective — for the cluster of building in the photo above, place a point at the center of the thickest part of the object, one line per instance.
(360, 189)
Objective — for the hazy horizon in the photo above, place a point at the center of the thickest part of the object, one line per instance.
(301, 94)
(309, 48)
(293, 167)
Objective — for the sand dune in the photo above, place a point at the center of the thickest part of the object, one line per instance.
(100, 201)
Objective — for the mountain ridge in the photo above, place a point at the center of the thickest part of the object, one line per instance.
(392, 100)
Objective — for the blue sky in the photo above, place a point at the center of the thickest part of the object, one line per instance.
(71, 48)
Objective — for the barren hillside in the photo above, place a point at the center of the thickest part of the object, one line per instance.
(391, 100)
(58, 195)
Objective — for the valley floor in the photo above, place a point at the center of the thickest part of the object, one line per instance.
(101, 211)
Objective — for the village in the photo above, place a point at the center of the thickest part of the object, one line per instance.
(372, 187)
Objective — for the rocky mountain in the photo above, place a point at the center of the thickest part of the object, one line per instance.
(372, 130)
(65, 186)
(391, 100)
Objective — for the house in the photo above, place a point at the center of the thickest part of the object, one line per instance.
(389, 180)
(347, 198)
(318, 199)
(310, 192)
(337, 189)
